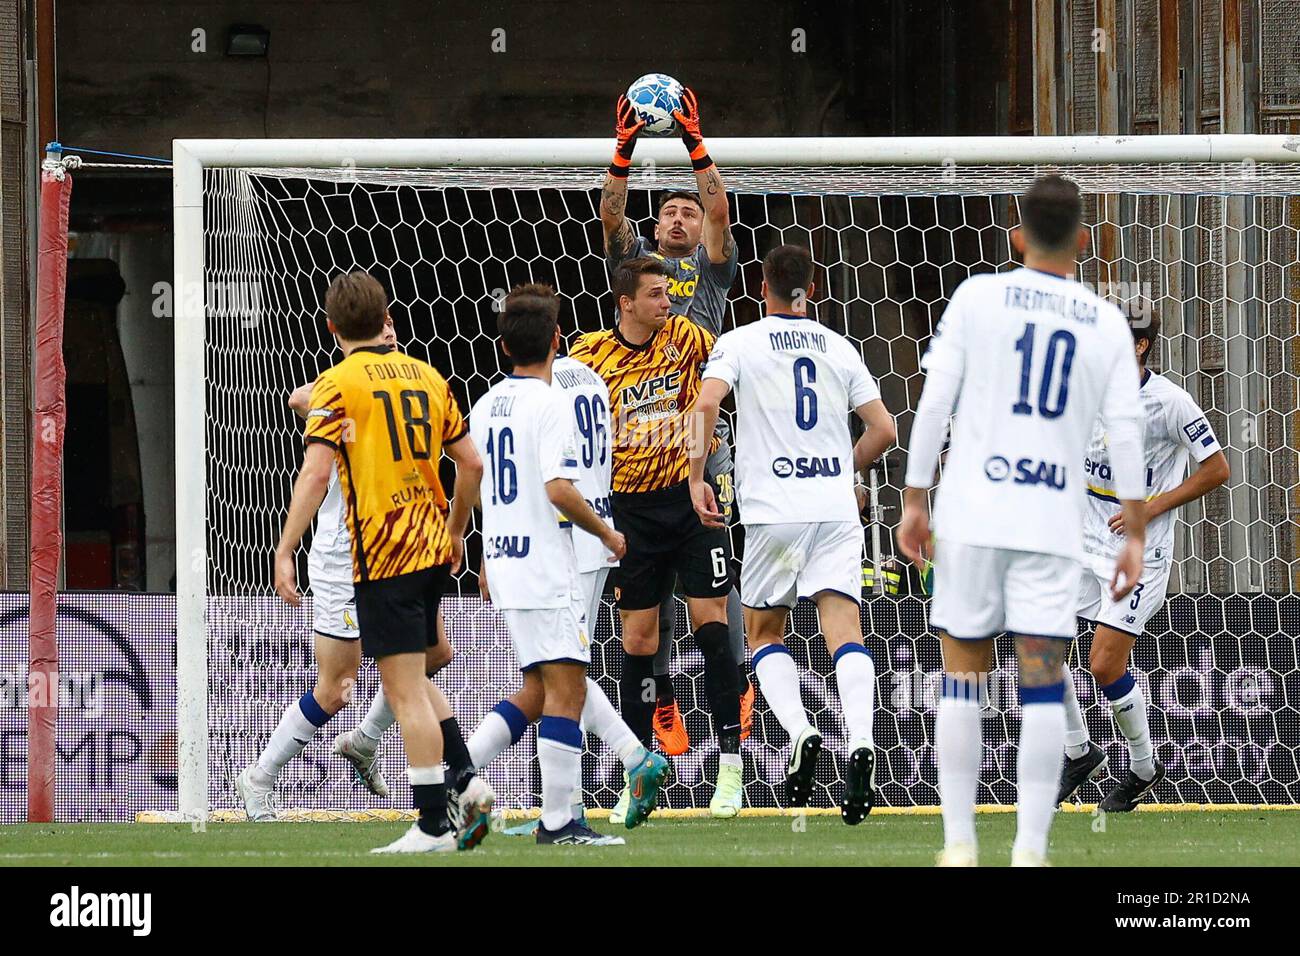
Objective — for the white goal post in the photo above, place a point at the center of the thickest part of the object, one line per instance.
(1230, 170)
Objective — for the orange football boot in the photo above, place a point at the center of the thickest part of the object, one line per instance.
(670, 729)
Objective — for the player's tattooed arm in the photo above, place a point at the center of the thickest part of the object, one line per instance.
(713, 192)
(619, 237)
(717, 238)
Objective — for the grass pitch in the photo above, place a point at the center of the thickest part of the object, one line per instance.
(1204, 838)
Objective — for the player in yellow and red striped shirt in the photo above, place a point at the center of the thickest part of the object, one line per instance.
(387, 418)
(651, 363)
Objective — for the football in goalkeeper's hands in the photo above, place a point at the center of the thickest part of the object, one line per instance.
(654, 97)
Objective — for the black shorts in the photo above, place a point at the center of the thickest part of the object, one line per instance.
(665, 538)
(399, 615)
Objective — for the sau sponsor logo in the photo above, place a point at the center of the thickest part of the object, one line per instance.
(1026, 471)
(1199, 430)
(997, 468)
(507, 546)
(806, 467)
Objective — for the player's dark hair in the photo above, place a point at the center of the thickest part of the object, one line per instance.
(1051, 212)
(1145, 328)
(788, 271)
(627, 277)
(529, 317)
(356, 303)
(668, 197)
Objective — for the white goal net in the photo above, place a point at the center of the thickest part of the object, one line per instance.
(1209, 246)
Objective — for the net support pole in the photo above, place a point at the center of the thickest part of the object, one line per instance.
(188, 304)
(49, 416)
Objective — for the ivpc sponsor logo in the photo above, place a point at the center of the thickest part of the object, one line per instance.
(77, 909)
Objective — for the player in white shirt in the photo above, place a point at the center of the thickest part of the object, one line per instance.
(525, 428)
(796, 382)
(586, 395)
(1174, 429)
(337, 650)
(1029, 358)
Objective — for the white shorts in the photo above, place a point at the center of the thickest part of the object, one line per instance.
(784, 562)
(334, 609)
(591, 585)
(980, 592)
(549, 635)
(1129, 614)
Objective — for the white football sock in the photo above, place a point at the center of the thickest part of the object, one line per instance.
(1131, 715)
(958, 749)
(1038, 774)
(577, 802)
(290, 736)
(426, 776)
(600, 717)
(489, 740)
(778, 678)
(379, 717)
(855, 672)
(1076, 731)
(559, 752)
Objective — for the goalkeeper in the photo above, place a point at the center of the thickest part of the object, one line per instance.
(692, 237)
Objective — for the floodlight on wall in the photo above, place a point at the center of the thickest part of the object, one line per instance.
(246, 39)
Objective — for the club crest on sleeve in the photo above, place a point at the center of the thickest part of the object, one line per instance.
(1199, 430)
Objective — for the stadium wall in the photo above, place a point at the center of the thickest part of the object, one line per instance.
(1223, 681)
